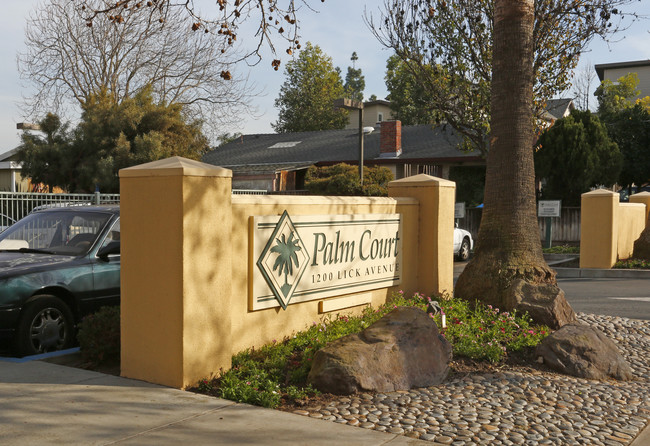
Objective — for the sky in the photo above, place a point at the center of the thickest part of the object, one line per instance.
(337, 26)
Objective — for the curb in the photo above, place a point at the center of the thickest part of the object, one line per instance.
(42, 356)
(643, 439)
(593, 273)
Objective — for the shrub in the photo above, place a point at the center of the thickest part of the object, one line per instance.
(99, 336)
(483, 332)
(562, 249)
(343, 179)
(633, 264)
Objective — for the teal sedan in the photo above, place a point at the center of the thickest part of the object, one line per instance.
(57, 265)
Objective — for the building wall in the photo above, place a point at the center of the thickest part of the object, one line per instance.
(370, 116)
(10, 178)
(254, 183)
(5, 181)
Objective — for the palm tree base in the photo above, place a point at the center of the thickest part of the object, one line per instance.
(515, 285)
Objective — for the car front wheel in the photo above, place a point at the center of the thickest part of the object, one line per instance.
(45, 326)
(463, 252)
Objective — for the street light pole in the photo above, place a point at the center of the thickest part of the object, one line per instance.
(361, 144)
(349, 104)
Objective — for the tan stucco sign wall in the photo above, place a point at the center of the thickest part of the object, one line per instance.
(192, 262)
(302, 258)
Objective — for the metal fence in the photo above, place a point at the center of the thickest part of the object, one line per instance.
(265, 192)
(249, 192)
(16, 205)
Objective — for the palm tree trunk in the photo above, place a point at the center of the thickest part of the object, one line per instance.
(509, 250)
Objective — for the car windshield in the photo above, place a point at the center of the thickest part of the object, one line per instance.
(56, 232)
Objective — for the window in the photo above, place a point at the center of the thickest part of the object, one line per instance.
(113, 235)
(380, 117)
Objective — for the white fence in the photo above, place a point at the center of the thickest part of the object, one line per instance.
(16, 205)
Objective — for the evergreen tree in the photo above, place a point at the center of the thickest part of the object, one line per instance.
(307, 95)
(575, 155)
(410, 101)
(627, 118)
(343, 179)
(110, 136)
(355, 83)
(630, 129)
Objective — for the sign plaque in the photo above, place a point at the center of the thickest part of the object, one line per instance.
(302, 258)
(549, 208)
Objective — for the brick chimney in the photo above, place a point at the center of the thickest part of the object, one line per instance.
(390, 139)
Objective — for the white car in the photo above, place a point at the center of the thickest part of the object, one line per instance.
(463, 244)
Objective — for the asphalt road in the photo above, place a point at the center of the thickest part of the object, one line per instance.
(610, 297)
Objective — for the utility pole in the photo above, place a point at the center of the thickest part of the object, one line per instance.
(349, 104)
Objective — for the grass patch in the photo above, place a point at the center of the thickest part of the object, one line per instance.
(562, 249)
(632, 264)
(277, 372)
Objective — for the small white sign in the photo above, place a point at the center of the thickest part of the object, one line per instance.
(459, 210)
(549, 208)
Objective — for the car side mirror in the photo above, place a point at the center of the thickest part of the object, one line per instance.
(110, 249)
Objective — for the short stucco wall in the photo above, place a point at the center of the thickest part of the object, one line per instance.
(188, 264)
(630, 226)
(609, 228)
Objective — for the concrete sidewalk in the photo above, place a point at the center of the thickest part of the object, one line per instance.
(44, 403)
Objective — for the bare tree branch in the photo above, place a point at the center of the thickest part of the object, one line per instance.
(277, 19)
(447, 46)
(66, 61)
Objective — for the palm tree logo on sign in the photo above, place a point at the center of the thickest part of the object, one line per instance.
(283, 260)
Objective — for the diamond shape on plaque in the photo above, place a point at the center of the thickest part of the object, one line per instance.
(283, 260)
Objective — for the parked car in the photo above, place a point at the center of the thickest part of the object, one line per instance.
(57, 265)
(463, 244)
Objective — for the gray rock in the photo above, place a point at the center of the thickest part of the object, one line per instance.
(580, 350)
(402, 350)
(544, 303)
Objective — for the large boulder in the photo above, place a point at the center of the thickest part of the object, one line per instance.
(545, 303)
(579, 350)
(404, 349)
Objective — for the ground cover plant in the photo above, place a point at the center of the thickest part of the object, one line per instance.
(562, 249)
(633, 264)
(276, 373)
